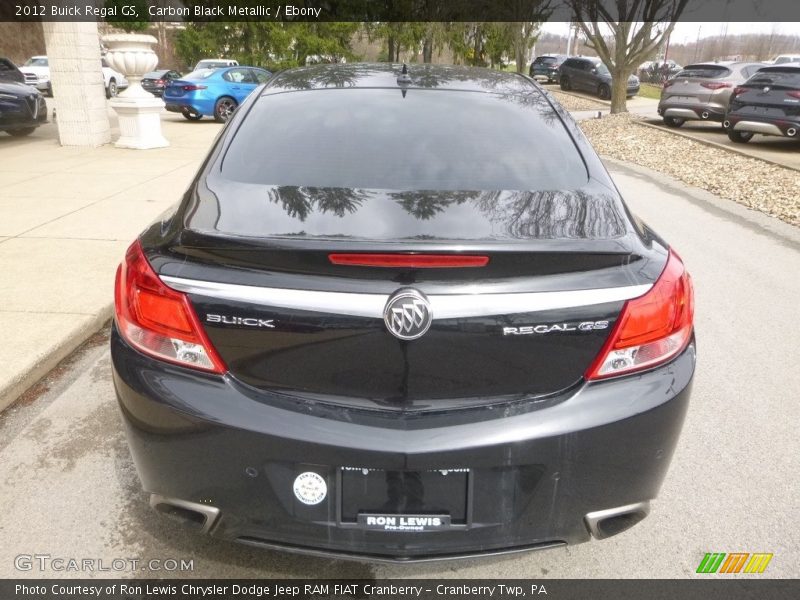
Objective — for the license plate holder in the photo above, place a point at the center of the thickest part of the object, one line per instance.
(427, 495)
(404, 523)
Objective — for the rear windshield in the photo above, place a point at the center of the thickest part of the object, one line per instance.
(545, 60)
(427, 140)
(705, 71)
(780, 77)
(199, 74)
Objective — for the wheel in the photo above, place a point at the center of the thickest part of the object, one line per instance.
(21, 132)
(111, 90)
(565, 84)
(604, 92)
(191, 116)
(223, 109)
(673, 122)
(739, 137)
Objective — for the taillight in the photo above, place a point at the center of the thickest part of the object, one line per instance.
(415, 261)
(161, 82)
(193, 87)
(651, 329)
(794, 94)
(158, 320)
(668, 83)
(715, 85)
(739, 90)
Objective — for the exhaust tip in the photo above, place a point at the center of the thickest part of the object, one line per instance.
(194, 514)
(726, 124)
(791, 132)
(704, 114)
(605, 523)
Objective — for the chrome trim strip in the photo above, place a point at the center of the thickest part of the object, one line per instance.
(372, 305)
(758, 127)
(684, 113)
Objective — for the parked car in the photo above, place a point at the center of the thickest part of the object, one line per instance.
(545, 67)
(156, 81)
(349, 339)
(37, 73)
(212, 92)
(785, 58)
(700, 92)
(767, 103)
(22, 109)
(113, 80)
(215, 63)
(589, 74)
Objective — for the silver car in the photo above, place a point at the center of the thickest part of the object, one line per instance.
(701, 92)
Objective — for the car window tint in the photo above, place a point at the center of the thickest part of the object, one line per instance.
(238, 76)
(200, 74)
(545, 60)
(427, 140)
(705, 71)
(785, 77)
(261, 76)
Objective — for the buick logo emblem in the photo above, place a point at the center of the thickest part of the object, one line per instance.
(407, 314)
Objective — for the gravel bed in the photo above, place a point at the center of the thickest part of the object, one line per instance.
(570, 102)
(754, 183)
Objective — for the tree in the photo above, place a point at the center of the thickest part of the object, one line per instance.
(626, 39)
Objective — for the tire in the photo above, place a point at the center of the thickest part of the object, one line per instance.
(739, 137)
(223, 109)
(565, 85)
(604, 92)
(21, 132)
(111, 90)
(191, 116)
(673, 122)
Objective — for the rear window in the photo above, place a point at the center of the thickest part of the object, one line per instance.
(778, 77)
(427, 140)
(545, 60)
(705, 71)
(199, 74)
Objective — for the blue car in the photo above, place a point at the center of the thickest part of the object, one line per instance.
(213, 92)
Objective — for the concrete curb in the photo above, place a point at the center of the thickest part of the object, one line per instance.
(688, 136)
(58, 351)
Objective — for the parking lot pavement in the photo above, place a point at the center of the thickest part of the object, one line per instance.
(69, 486)
(67, 216)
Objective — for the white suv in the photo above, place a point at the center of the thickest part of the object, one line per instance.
(37, 73)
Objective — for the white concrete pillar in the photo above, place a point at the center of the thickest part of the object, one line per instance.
(73, 50)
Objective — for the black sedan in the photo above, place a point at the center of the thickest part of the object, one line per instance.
(156, 81)
(409, 319)
(767, 103)
(22, 107)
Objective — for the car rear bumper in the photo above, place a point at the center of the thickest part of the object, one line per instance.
(226, 457)
(766, 126)
(692, 112)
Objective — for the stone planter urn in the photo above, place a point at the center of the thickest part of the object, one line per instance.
(139, 111)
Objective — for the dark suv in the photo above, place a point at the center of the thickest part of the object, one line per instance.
(546, 67)
(767, 103)
(22, 108)
(589, 74)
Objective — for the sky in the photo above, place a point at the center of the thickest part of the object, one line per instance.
(688, 31)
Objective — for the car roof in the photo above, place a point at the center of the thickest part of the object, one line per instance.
(385, 75)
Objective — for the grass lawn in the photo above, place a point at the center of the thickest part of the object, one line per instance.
(648, 90)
